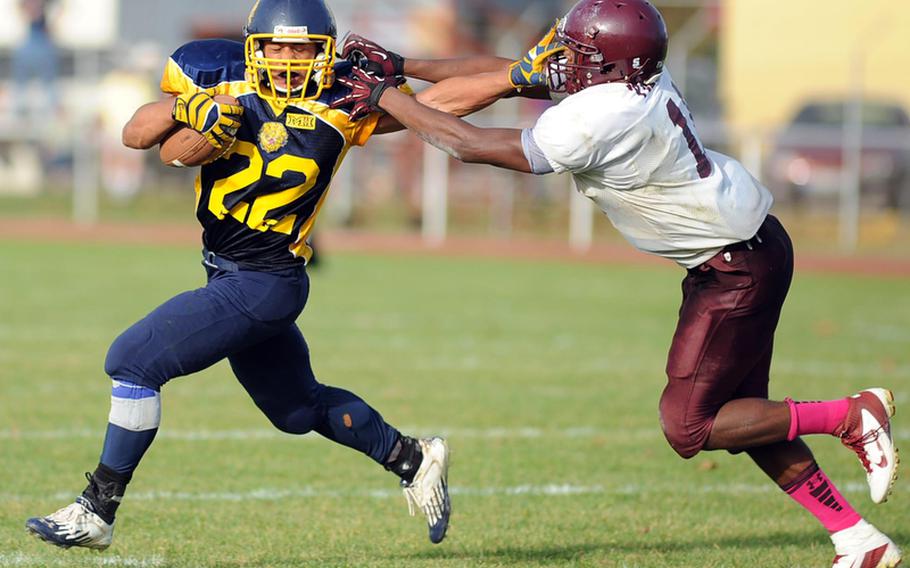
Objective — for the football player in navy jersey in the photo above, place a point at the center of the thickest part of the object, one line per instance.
(257, 203)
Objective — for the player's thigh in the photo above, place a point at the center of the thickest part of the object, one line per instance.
(730, 310)
(720, 351)
(712, 352)
(186, 334)
(279, 378)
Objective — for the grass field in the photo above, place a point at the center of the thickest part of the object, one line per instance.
(544, 376)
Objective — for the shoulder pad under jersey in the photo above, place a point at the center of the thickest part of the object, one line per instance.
(204, 63)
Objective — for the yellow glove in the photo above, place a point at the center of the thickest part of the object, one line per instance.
(201, 112)
(530, 70)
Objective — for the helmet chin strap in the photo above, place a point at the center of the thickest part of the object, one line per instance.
(316, 76)
(653, 78)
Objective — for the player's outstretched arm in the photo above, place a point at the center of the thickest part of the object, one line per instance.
(462, 96)
(459, 96)
(377, 60)
(464, 85)
(496, 146)
(436, 70)
(150, 123)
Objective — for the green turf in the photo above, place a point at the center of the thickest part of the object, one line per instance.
(545, 377)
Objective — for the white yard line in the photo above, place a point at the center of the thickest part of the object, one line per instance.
(264, 434)
(522, 432)
(21, 559)
(546, 490)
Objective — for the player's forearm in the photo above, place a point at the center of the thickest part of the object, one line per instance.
(435, 70)
(462, 96)
(150, 123)
(448, 133)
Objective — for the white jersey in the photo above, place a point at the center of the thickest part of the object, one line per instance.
(639, 158)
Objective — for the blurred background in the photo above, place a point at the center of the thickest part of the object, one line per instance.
(812, 96)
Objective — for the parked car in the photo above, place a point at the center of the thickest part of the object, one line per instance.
(807, 159)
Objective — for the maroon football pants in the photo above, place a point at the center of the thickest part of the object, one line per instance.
(722, 346)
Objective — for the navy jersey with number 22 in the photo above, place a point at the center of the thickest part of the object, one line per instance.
(258, 202)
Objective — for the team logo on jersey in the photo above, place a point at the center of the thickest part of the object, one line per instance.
(301, 121)
(273, 136)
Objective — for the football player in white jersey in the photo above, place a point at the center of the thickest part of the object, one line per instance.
(625, 134)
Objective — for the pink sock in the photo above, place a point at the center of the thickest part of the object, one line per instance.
(816, 417)
(817, 494)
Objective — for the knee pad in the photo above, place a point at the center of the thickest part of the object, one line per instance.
(124, 361)
(134, 407)
(679, 435)
(298, 421)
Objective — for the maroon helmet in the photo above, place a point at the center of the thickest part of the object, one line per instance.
(609, 41)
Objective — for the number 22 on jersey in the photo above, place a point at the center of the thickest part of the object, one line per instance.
(255, 215)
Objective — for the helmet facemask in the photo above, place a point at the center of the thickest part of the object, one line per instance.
(311, 76)
(556, 76)
(582, 65)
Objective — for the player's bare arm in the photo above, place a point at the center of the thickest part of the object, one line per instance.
(462, 140)
(378, 60)
(495, 146)
(458, 91)
(435, 70)
(458, 96)
(150, 123)
(461, 96)
(212, 117)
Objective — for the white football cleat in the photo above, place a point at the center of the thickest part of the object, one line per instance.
(429, 490)
(74, 525)
(867, 431)
(864, 546)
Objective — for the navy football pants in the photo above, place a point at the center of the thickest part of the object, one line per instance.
(249, 317)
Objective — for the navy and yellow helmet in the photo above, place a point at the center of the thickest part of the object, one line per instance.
(290, 21)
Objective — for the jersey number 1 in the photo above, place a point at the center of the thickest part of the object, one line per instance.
(679, 119)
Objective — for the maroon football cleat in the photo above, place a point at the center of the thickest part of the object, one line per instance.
(867, 431)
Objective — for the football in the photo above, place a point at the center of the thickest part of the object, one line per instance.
(184, 147)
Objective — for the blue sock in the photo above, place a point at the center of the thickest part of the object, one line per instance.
(124, 448)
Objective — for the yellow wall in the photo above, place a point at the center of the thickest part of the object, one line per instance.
(776, 53)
